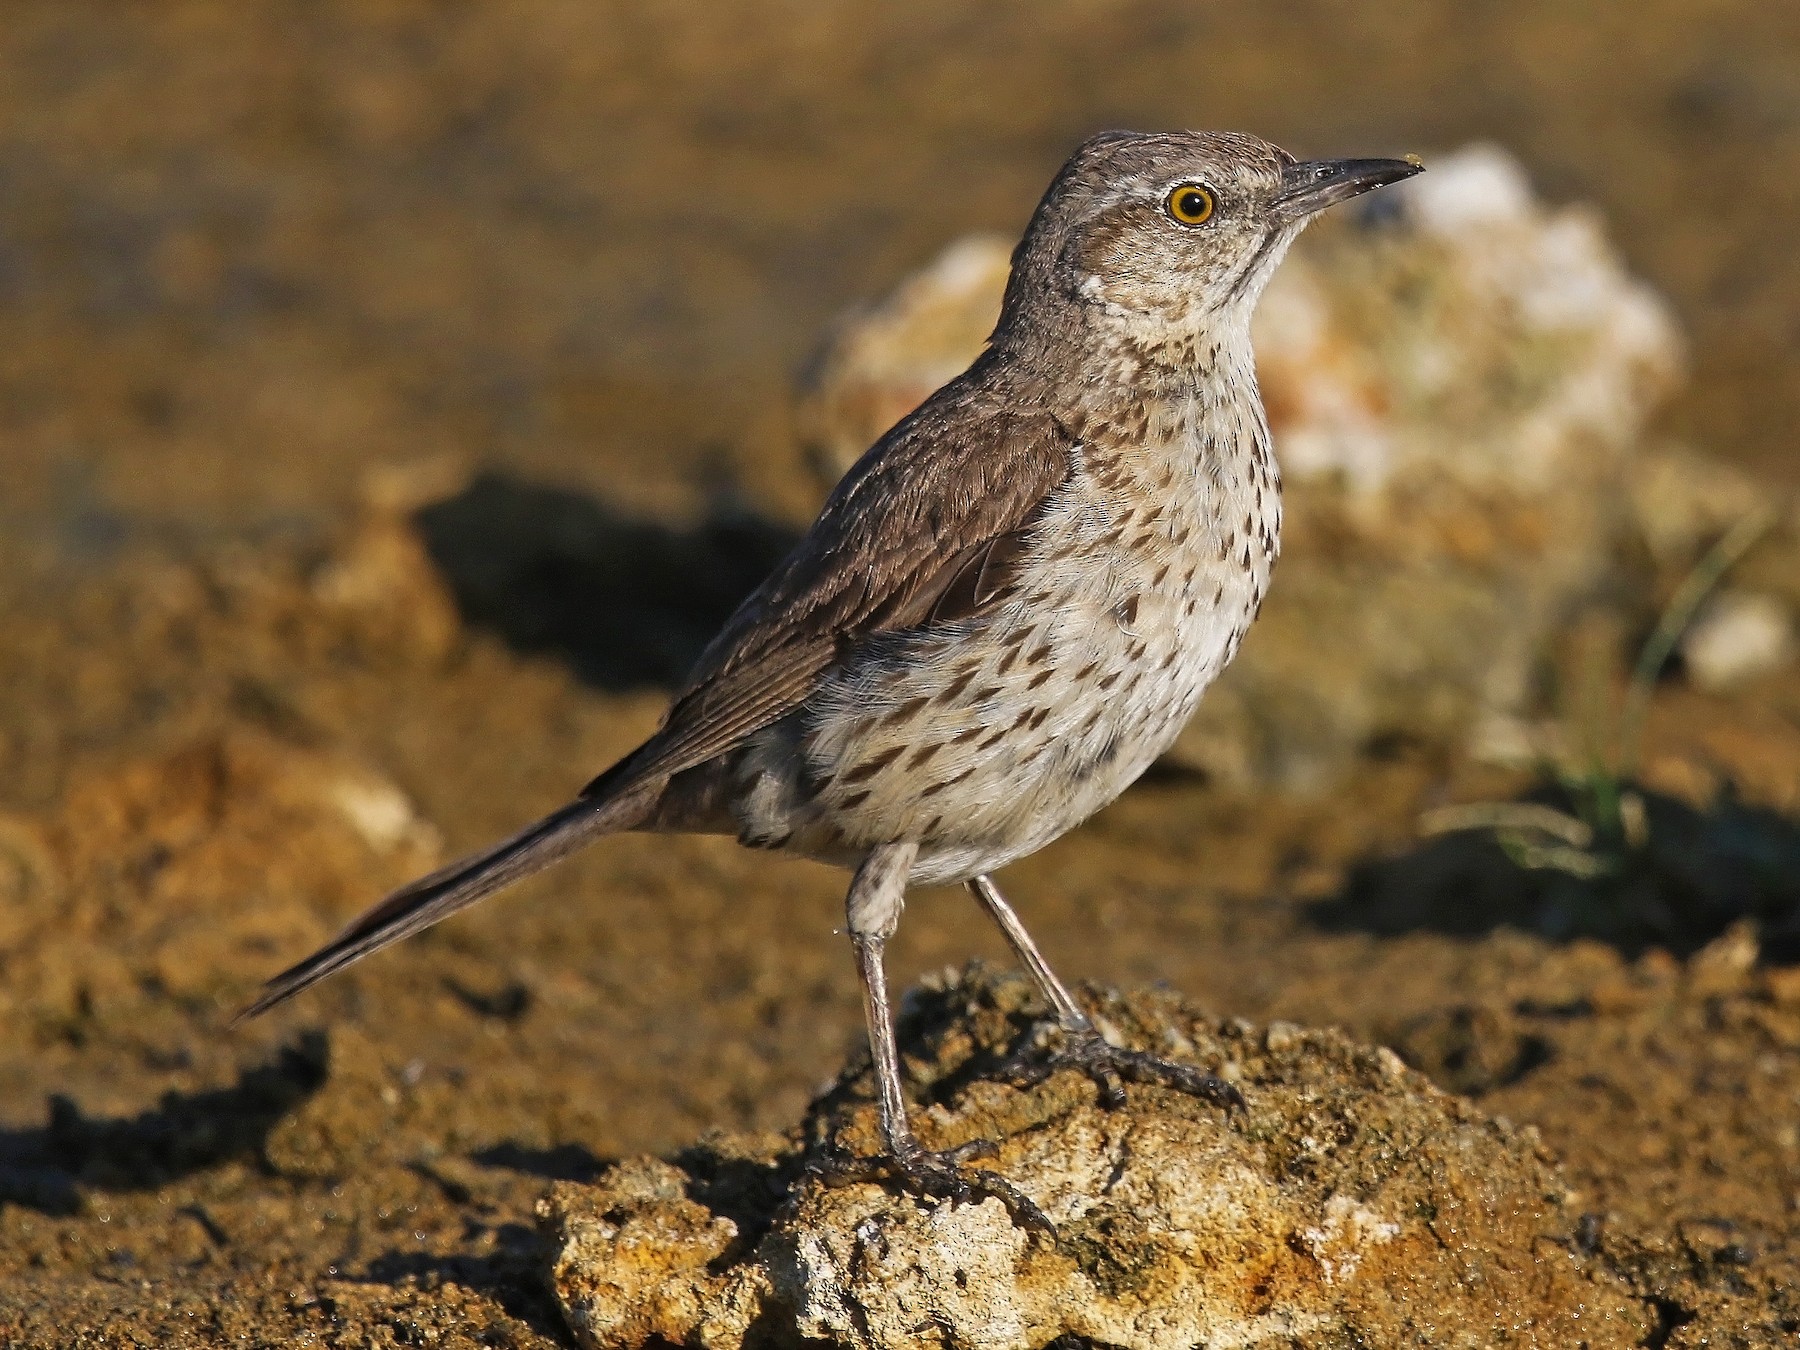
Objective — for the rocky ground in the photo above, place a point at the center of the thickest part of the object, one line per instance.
(1340, 1200)
(393, 398)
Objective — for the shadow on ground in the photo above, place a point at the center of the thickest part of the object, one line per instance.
(564, 1162)
(47, 1169)
(625, 602)
(510, 1275)
(1685, 877)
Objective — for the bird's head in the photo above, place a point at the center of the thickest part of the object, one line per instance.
(1172, 234)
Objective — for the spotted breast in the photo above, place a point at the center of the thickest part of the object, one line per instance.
(986, 737)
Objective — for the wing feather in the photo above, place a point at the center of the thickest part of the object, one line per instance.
(926, 527)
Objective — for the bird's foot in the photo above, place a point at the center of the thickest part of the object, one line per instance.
(941, 1175)
(1088, 1052)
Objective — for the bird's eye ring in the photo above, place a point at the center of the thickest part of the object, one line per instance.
(1190, 204)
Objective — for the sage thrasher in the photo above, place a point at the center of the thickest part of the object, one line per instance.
(1007, 608)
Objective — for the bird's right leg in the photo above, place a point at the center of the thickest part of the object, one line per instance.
(877, 893)
(1083, 1047)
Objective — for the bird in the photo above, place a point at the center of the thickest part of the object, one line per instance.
(1003, 613)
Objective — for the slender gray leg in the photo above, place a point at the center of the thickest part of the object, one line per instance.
(1069, 1014)
(877, 893)
(1083, 1047)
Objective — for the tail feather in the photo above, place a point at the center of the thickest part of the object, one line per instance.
(416, 907)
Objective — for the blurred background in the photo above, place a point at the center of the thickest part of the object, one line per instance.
(251, 249)
(393, 396)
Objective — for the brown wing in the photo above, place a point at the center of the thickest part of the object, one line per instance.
(922, 529)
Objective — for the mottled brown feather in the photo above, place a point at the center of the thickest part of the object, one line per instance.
(925, 528)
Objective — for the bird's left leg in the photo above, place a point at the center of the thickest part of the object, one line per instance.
(1083, 1047)
(876, 895)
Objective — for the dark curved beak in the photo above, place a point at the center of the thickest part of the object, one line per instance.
(1311, 185)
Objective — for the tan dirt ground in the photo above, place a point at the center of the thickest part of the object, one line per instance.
(249, 254)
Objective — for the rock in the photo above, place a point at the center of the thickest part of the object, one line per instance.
(1725, 964)
(173, 877)
(1352, 1203)
(1455, 377)
(1738, 636)
(380, 582)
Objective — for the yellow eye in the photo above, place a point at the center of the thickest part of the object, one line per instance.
(1190, 204)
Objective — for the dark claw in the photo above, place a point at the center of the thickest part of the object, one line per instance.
(1090, 1053)
(939, 1176)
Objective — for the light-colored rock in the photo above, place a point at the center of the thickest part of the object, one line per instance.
(1455, 377)
(259, 844)
(1737, 637)
(1351, 1204)
(381, 582)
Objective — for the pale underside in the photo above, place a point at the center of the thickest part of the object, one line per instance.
(986, 737)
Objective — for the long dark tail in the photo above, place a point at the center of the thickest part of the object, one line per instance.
(414, 908)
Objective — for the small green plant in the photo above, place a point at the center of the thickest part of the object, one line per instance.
(1607, 820)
